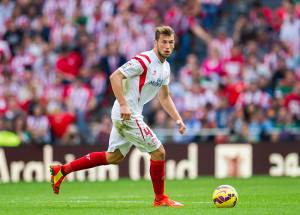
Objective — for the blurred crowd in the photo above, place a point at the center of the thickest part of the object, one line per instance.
(235, 69)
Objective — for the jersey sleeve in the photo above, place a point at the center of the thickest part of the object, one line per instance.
(131, 68)
(166, 81)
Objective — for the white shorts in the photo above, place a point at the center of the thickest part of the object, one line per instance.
(135, 132)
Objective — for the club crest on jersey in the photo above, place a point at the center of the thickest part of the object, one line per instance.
(154, 72)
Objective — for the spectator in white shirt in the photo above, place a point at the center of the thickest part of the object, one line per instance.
(38, 125)
(290, 32)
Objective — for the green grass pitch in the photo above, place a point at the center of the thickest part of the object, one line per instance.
(258, 195)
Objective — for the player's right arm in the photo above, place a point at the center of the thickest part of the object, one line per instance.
(116, 84)
(128, 70)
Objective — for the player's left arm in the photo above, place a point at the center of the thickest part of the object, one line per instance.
(167, 103)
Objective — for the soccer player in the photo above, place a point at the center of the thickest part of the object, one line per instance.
(134, 84)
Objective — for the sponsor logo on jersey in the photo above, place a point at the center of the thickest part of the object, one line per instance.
(156, 83)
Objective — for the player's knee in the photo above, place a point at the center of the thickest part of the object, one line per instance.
(116, 161)
(158, 154)
(114, 157)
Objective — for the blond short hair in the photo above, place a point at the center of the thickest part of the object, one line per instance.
(163, 29)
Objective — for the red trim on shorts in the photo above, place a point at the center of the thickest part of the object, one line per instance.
(145, 56)
(143, 75)
(137, 122)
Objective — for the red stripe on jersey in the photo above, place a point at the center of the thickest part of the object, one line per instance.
(143, 75)
(145, 56)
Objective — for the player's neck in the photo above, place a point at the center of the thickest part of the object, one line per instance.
(159, 56)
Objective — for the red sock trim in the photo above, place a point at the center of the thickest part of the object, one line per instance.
(157, 173)
(88, 161)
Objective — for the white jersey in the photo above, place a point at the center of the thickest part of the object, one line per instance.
(145, 74)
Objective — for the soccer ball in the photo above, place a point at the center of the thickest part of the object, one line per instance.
(225, 196)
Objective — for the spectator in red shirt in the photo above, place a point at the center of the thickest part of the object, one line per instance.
(68, 63)
(60, 122)
(234, 65)
(231, 91)
(292, 102)
(286, 7)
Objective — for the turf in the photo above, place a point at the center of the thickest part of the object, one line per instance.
(258, 195)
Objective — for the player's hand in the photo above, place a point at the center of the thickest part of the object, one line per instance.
(181, 126)
(125, 112)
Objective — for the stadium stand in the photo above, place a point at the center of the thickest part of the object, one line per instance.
(236, 68)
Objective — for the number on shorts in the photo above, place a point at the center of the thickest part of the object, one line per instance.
(147, 131)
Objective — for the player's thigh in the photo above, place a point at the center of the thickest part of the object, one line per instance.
(117, 141)
(139, 134)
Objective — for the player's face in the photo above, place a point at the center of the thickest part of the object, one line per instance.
(165, 45)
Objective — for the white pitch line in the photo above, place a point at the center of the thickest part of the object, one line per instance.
(111, 197)
(120, 201)
(99, 201)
